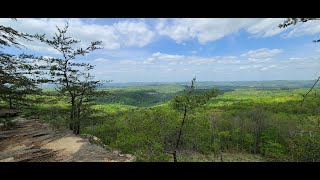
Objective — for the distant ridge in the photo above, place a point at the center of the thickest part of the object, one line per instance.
(224, 84)
(214, 84)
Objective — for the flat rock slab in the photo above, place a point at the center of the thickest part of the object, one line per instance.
(34, 141)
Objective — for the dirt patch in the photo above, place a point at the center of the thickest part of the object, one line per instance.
(69, 145)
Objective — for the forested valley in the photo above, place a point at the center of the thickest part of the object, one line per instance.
(195, 121)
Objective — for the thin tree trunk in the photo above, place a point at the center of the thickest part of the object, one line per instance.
(78, 128)
(78, 121)
(180, 132)
(72, 118)
(78, 109)
(74, 121)
(174, 156)
(221, 159)
(70, 123)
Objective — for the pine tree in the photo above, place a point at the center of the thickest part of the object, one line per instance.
(73, 79)
(17, 74)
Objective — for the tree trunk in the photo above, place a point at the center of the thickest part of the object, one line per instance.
(179, 136)
(78, 128)
(74, 121)
(72, 117)
(174, 156)
(221, 159)
(70, 123)
(78, 121)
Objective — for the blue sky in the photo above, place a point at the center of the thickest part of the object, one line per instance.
(166, 50)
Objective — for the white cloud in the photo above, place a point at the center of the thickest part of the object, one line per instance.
(226, 60)
(266, 27)
(200, 60)
(251, 66)
(149, 61)
(211, 29)
(120, 34)
(310, 28)
(268, 67)
(101, 60)
(263, 59)
(262, 53)
(293, 58)
(206, 68)
(134, 33)
(212, 60)
(259, 67)
(167, 57)
(138, 33)
(202, 29)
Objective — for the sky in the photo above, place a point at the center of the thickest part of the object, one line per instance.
(175, 50)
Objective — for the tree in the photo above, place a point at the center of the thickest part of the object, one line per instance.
(258, 117)
(72, 78)
(291, 22)
(9, 36)
(17, 74)
(186, 103)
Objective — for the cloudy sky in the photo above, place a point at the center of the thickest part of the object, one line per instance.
(166, 50)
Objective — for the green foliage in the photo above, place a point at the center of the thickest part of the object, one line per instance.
(6, 123)
(18, 76)
(9, 36)
(271, 146)
(261, 118)
(106, 131)
(139, 98)
(162, 89)
(73, 79)
(226, 125)
(144, 96)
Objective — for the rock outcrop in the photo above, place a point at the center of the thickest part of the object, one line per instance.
(35, 141)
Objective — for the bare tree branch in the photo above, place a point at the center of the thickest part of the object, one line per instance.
(312, 88)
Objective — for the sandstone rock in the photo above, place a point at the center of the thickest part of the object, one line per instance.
(34, 141)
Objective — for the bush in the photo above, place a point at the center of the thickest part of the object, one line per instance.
(7, 123)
